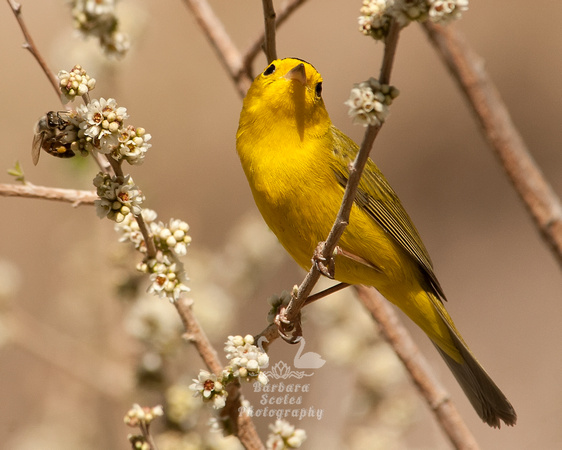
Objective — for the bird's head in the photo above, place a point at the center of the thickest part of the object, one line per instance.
(289, 89)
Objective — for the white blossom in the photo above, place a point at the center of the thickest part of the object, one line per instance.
(444, 11)
(368, 102)
(102, 122)
(376, 15)
(283, 436)
(167, 277)
(172, 237)
(74, 83)
(210, 389)
(138, 415)
(117, 197)
(246, 360)
(133, 145)
(98, 18)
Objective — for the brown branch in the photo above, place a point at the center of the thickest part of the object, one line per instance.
(74, 196)
(292, 313)
(468, 69)
(418, 368)
(270, 46)
(195, 334)
(237, 65)
(243, 426)
(30, 45)
(149, 438)
(220, 40)
(250, 54)
(143, 228)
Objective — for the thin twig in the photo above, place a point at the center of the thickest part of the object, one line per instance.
(291, 315)
(74, 196)
(269, 26)
(467, 68)
(390, 46)
(30, 45)
(418, 368)
(272, 331)
(237, 65)
(143, 228)
(257, 45)
(195, 334)
(148, 437)
(227, 52)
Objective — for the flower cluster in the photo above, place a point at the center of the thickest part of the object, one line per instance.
(97, 126)
(210, 389)
(376, 15)
(139, 415)
(167, 276)
(138, 442)
(74, 83)
(167, 273)
(130, 231)
(246, 360)
(118, 196)
(97, 18)
(374, 19)
(284, 436)
(444, 11)
(369, 101)
(102, 128)
(246, 363)
(133, 144)
(173, 237)
(101, 122)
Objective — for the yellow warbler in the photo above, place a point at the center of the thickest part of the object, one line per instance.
(297, 164)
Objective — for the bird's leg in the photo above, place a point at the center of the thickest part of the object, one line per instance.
(325, 293)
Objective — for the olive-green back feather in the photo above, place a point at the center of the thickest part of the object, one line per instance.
(377, 198)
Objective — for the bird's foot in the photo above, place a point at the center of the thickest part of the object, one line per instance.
(291, 332)
(326, 266)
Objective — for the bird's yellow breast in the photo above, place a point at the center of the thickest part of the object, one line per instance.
(295, 189)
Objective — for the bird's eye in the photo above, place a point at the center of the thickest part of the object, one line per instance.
(270, 69)
(318, 89)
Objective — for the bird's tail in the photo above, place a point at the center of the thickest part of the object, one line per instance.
(487, 399)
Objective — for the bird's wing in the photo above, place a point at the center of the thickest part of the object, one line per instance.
(377, 198)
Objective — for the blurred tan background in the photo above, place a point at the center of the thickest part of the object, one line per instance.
(502, 282)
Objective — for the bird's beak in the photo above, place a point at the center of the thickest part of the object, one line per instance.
(297, 73)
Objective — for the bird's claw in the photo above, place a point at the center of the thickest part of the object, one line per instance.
(326, 266)
(290, 332)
